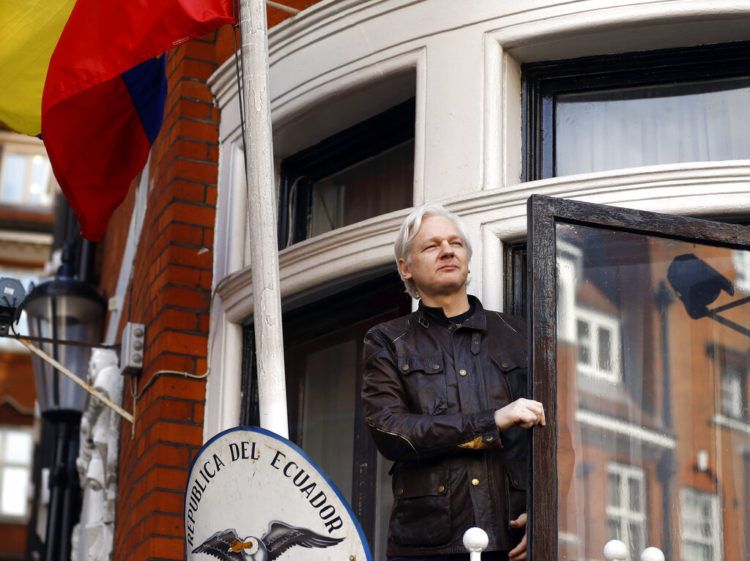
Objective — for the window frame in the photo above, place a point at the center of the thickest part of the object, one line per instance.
(716, 539)
(543, 81)
(4, 464)
(366, 139)
(624, 515)
(597, 320)
(543, 214)
(29, 150)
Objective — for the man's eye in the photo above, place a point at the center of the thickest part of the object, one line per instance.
(429, 247)
(457, 243)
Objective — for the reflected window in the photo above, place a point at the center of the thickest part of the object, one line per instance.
(700, 526)
(742, 269)
(16, 448)
(733, 393)
(362, 172)
(657, 314)
(621, 111)
(598, 345)
(626, 514)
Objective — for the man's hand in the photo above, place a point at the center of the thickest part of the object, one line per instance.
(524, 412)
(518, 553)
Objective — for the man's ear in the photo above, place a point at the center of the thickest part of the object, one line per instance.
(403, 269)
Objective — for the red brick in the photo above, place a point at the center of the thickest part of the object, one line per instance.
(197, 130)
(212, 194)
(183, 343)
(197, 68)
(191, 214)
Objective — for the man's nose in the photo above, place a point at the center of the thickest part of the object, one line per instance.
(446, 249)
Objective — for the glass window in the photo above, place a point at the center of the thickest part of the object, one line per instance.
(662, 124)
(732, 392)
(15, 470)
(637, 109)
(626, 519)
(742, 270)
(700, 526)
(361, 172)
(25, 175)
(653, 295)
(598, 345)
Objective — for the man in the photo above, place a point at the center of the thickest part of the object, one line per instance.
(442, 394)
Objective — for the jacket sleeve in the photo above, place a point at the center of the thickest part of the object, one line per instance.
(402, 435)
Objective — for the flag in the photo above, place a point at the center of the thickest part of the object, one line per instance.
(104, 89)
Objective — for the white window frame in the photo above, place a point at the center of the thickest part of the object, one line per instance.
(4, 430)
(714, 541)
(733, 401)
(596, 321)
(623, 514)
(742, 267)
(26, 146)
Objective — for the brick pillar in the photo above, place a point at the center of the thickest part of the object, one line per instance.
(170, 293)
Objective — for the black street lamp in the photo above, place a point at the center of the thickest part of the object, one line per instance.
(61, 311)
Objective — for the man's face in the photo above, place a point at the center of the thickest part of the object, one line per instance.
(437, 261)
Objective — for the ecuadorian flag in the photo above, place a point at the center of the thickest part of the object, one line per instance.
(89, 76)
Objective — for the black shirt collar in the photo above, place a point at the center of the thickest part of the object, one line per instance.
(472, 318)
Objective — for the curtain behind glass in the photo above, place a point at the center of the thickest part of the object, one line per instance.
(630, 127)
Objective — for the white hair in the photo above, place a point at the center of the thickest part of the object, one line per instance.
(409, 228)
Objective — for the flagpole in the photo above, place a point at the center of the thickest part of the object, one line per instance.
(269, 343)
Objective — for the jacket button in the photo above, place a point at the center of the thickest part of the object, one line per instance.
(405, 367)
(462, 372)
(490, 438)
(441, 489)
(504, 364)
(475, 482)
(436, 367)
(400, 492)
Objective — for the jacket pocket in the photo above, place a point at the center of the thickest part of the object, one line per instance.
(516, 481)
(511, 377)
(421, 511)
(424, 379)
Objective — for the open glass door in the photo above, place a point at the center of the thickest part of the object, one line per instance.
(641, 355)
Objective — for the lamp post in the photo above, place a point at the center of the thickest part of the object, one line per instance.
(63, 309)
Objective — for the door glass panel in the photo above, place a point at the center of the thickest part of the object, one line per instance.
(328, 411)
(652, 395)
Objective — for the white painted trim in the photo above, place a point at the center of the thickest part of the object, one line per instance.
(128, 257)
(625, 428)
(729, 423)
(568, 537)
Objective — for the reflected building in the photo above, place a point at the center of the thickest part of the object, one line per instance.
(654, 425)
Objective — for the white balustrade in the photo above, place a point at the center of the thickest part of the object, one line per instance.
(615, 550)
(475, 542)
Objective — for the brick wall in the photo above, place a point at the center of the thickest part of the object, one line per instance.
(170, 293)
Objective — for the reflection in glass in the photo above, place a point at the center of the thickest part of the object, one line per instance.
(653, 423)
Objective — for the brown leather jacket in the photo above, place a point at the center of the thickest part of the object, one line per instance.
(430, 390)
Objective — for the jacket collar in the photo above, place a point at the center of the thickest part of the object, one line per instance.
(435, 316)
